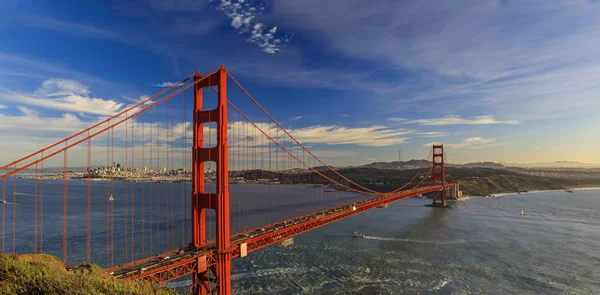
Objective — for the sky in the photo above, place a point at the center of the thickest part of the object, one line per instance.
(504, 81)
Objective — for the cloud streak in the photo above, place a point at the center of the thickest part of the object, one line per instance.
(480, 120)
(164, 84)
(471, 142)
(64, 95)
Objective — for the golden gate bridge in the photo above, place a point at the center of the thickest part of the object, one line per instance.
(230, 132)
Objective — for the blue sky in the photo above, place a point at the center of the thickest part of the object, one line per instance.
(508, 81)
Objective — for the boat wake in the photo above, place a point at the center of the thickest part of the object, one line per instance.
(440, 285)
(415, 241)
(24, 194)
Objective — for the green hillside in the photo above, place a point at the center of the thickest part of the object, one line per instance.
(45, 274)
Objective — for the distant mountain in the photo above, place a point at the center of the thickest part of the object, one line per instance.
(399, 165)
(483, 165)
(415, 164)
(556, 164)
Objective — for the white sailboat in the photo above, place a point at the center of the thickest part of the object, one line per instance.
(522, 213)
(111, 198)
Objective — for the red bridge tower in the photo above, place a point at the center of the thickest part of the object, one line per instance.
(438, 176)
(214, 276)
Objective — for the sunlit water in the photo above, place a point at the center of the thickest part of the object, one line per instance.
(481, 246)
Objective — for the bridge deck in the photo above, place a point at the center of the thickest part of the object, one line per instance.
(178, 263)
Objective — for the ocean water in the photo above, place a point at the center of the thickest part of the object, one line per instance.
(480, 246)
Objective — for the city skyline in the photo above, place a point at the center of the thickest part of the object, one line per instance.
(494, 81)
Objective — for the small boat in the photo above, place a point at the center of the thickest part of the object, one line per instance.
(522, 213)
(330, 190)
(111, 198)
(2, 201)
(569, 191)
(359, 235)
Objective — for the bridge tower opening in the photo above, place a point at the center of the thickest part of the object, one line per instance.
(438, 176)
(212, 277)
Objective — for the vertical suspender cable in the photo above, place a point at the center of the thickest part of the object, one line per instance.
(41, 206)
(143, 169)
(65, 207)
(135, 173)
(3, 213)
(35, 201)
(89, 197)
(124, 170)
(14, 235)
(159, 172)
(107, 200)
(151, 194)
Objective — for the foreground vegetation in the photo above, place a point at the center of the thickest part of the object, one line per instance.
(45, 274)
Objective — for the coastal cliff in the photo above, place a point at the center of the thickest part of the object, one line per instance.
(509, 184)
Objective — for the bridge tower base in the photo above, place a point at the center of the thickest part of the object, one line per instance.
(211, 277)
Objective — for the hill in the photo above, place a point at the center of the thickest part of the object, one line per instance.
(45, 274)
(557, 164)
(399, 165)
(473, 181)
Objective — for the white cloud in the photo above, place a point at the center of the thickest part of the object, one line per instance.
(164, 84)
(478, 140)
(345, 115)
(394, 119)
(243, 17)
(2, 106)
(64, 95)
(296, 118)
(480, 120)
(471, 142)
(29, 112)
(372, 136)
(431, 134)
(375, 136)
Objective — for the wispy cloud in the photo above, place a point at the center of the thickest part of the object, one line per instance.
(296, 118)
(371, 136)
(29, 112)
(431, 134)
(395, 119)
(375, 136)
(481, 120)
(345, 115)
(2, 106)
(72, 28)
(481, 55)
(243, 15)
(471, 142)
(164, 84)
(63, 95)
